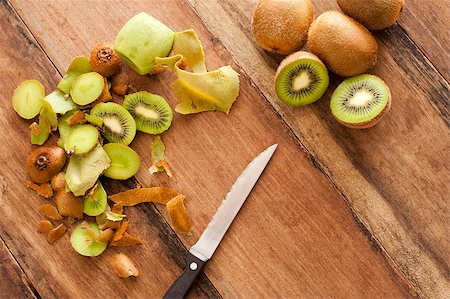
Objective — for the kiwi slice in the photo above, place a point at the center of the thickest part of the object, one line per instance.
(79, 65)
(301, 79)
(119, 125)
(125, 161)
(84, 242)
(26, 99)
(87, 88)
(360, 102)
(94, 203)
(81, 139)
(151, 112)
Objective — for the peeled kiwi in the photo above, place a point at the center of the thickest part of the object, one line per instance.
(344, 45)
(374, 14)
(301, 79)
(83, 239)
(125, 162)
(119, 126)
(360, 102)
(94, 203)
(281, 26)
(151, 112)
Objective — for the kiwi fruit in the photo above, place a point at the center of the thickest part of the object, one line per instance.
(151, 112)
(118, 124)
(360, 102)
(125, 162)
(84, 242)
(104, 60)
(281, 26)
(345, 46)
(374, 14)
(44, 163)
(26, 99)
(301, 79)
(87, 88)
(94, 203)
(81, 139)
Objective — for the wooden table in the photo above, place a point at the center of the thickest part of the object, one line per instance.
(338, 213)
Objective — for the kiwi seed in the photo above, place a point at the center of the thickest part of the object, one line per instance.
(374, 14)
(282, 26)
(119, 126)
(151, 112)
(360, 102)
(344, 45)
(301, 79)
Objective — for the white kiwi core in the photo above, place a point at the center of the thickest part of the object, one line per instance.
(360, 99)
(301, 81)
(113, 124)
(148, 113)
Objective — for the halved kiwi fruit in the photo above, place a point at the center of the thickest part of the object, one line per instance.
(151, 112)
(84, 242)
(301, 79)
(81, 139)
(125, 162)
(95, 202)
(87, 88)
(360, 102)
(119, 126)
(26, 99)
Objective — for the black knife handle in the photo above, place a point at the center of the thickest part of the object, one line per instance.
(184, 282)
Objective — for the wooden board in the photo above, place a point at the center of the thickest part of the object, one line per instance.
(337, 213)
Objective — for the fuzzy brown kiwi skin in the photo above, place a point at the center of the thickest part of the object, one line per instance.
(282, 26)
(44, 163)
(104, 60)
(344, 45)
(294, 57)
(372, 122)
(374, 14)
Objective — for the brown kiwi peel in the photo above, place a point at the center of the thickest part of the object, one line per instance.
(343, 44)
(44, 163)
(282, 26)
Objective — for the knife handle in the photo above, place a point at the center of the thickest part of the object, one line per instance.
(184, 282)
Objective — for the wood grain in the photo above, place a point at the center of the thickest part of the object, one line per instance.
(394, 176)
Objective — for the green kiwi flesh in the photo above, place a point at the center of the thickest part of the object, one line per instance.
(81, 139)
(87, 88)
(26, 99)
(118, 124)
(301, 79)
(84, 243)
(95, 203)
(151, 112)
(125, 162)
(361, 101)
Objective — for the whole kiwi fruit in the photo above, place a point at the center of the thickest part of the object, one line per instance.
(374, 14)
(44, 163)
(281, 26)
(344, 45)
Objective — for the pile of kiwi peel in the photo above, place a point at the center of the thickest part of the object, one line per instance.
(339, 42)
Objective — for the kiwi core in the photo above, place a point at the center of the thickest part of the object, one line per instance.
(360, 99)
(301, 81)
(149, 113)
(113, 124)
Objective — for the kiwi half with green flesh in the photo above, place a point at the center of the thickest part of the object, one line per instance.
(119, 126)
(26, 99)
(360, 102)
(94, 203)
(301, 79)
(374, 14)
(125, 162)
(282, 26)
(345, 46)
(151, 112)
(84, 242)
(87, 88)
(81, 139)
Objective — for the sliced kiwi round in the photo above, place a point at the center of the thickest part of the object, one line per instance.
(81, 139)
(151, 112)
(95, 202)
(119, 126)
(84, 242)
(87, 88)
(26, 99)
(360, 102)
(301, 79)
(125, 161)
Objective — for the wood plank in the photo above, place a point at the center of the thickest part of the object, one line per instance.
(304, 233)
(426, 22)
(394, 175)
(58, 271)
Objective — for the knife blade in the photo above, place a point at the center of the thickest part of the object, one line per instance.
(210, 239)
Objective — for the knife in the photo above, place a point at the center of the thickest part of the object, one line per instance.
(202, 251)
